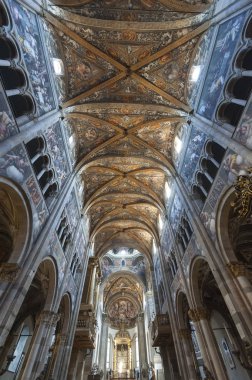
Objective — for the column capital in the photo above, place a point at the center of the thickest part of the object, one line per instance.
(8, 272)
(49, 318)
(198, 314)
(237, 268)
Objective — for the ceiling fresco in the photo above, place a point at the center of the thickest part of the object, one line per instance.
(127, 66)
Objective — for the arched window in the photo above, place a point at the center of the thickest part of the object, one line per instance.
(240, 87)
(230, 113)
(12, 78)
(4, 19)
(8, 49)
(21, 105)
(215, 151)
(35, 146)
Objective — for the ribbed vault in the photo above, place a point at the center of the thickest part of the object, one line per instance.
(127, 65)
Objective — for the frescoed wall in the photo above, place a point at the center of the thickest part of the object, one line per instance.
(232, 166)
(243, 132)
(54, 49)
(180, 138)
(28, 35)
(175, 213)
(7, 123)
(56, 148)
(137, 265)
(199, 61)
(15, 165)
(225, 47)
(192, 155)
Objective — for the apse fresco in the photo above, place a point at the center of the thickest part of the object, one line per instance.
(243, 132)
(122, 310)
(194, 150)
(15, 165)
(29, 38)
(56, 148)
(7, 123)
(226, 41)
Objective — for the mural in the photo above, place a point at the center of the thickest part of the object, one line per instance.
(194, 150)
(136, 264)
(29, 38)
(54, 49)
(175, 213)
(122, 309)
(73, 211)
(232, 166)
(7, 123)
(199, 60)
(56, 148)
(243, 132)
(15, 165)
(180, 138)
(225, 45)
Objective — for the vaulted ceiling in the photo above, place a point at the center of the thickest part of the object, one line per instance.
(127, 65)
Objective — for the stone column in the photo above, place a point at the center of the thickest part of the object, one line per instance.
(142, 344)
(185, 336)
(201, 315)
(103, 344)
(60, 352)
(40, 345)
(238, 271)
(92, 266)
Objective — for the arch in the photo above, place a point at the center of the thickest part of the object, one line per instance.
(8, 49)
(230, 113)
(36, 146)
(15, 222)
(239, 87)
(13, 78)
(22, 105)
(227, 223)
(181, 305)
(248, 29)
(4, 16)
(197, 268)
(244, 59)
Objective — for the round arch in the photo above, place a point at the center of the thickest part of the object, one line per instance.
(15, 222)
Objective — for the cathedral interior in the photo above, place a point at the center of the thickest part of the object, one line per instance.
(125, 189)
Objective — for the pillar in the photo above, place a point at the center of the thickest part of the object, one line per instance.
(185, 336)
(103, 344)
(142, 345)
(217, 367)
(39, 347)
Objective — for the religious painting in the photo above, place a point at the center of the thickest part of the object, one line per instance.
(106, 267)
(176, 210)
(193, 153)
(233, 165)
(199, 62)
(224, 49)
(15, 165)
(28, 35)
(7, 123)
(139, 268)
(73, 211)
(243, 132)
(179, 144)
(56, 148)
(55, 50)
(122, 310)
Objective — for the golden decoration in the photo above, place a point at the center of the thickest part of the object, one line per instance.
(243, 195)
